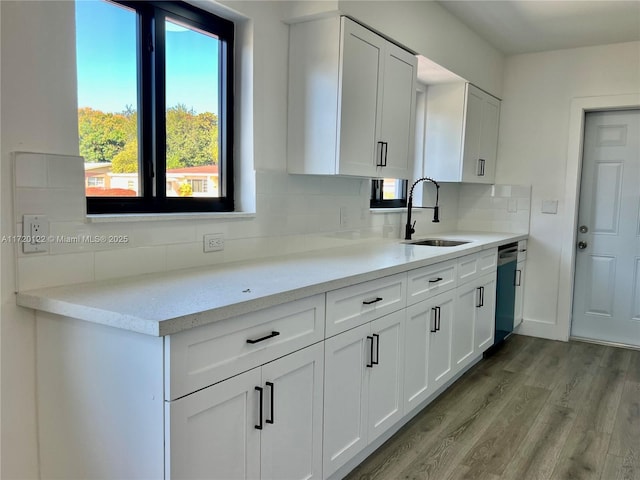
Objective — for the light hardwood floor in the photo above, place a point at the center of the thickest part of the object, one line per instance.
(535, 410)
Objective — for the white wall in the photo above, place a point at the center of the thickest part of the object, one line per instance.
(533, 146)
(38, 110)
(430, 30)
(38, 114)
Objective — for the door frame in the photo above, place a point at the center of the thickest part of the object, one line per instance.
(580, 106)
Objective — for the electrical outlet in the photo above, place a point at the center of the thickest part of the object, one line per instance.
(213, 242)
(35, 233)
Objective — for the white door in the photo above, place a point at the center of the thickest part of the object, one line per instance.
(441, 338)
(385, 381)
(212, 433)
(606, 304)
(488, 147)
(462, 346)
(398, 112)
(486, 312)
(347, 357)
(291, 442)
(360, 96)
(419, 322)
(472, 133)
(519, 301)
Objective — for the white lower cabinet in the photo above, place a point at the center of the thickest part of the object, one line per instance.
(427, 347)
(474, 324)
(265, 423)
(462, 346)
(519, 301)
(485, 322)
(363, 387)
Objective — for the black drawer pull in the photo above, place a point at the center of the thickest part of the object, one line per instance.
(436, 280)
(271, 335)
(369, 302)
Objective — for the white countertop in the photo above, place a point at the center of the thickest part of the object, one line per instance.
(166, 303)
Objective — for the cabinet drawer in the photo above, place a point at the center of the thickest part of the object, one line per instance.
(423, 283)
(205, 355)
(522, 250)
(477, 264)
(361, 303)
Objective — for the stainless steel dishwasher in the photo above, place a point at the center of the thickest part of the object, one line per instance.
(505, 291)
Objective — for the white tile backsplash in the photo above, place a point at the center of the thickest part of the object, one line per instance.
(39, 271)
(30, 170)
(294, 213)
(129, 261)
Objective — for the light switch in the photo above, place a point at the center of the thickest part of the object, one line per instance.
(550, 206)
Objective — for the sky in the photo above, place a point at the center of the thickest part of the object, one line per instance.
(106, 60)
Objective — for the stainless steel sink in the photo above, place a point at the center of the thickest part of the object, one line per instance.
(438, 242)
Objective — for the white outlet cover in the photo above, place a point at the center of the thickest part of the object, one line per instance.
(550, 206)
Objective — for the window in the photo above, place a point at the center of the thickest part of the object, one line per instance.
(95, 181)
(197, 185)
(155, 98)
(388, 193)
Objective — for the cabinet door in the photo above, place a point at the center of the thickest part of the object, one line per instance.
(291, 442)
(420, 321)
(440, 369)
(486, 313)
(398, 113)
(462, 348)
(385, 377)
(345, 396)
(472, 133)
(518, 314)
(488, 147)
(360, 94)
(211, 433)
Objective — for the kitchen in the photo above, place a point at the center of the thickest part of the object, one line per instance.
(39, 115)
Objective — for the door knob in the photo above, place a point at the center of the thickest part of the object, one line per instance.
(582, 245)
(583, 229)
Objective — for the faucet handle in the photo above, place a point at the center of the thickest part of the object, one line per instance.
(413, 227)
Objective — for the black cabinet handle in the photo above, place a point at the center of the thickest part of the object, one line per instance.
(267, 337)
(259, 426)
(438, 314)
(518, 279)
(481, 167)
(270, 385)
(381, 162)
(435, 320)
(479, 297)
(377, 337)
(386, 151)
(436, 280)
(369, 302)
(482, 296)
(370, 362)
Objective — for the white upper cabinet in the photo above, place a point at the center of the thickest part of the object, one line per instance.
(351, 101)
(461, 133)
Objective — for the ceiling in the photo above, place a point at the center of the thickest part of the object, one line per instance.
(523, 26)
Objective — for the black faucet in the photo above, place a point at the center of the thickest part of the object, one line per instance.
(409, 230)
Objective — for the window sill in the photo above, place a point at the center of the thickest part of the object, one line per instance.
(388, 210)
(158, 217)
